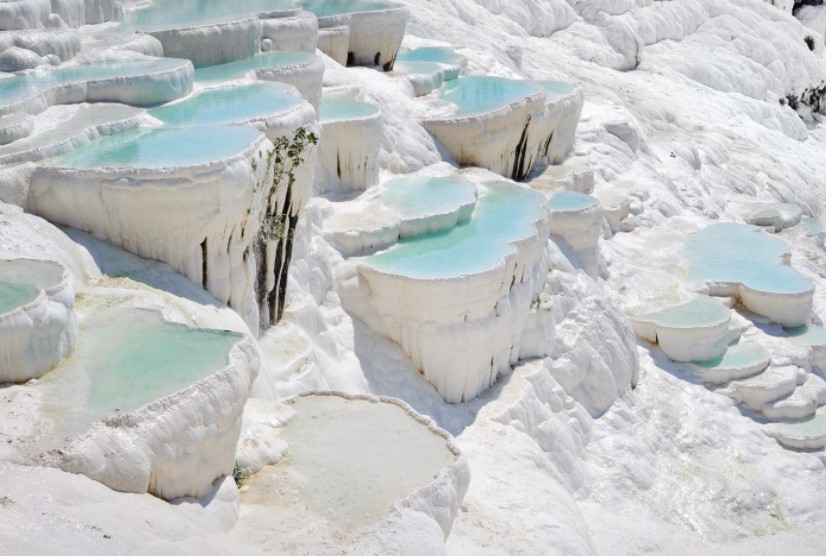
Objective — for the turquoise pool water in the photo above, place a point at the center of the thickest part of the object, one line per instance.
(41, 274)
(479, 94)
(416, 197)
(14, 295)
(163, 147)
(326, 8)
(502, 215)
(239, 68)
(437, 54)
(811, 226)
(737, 357)
(24, 85)
(807, 335)
(564, 200)
(556, 88)
(740, 253)
(702, 311)
(129, 357)
(344, 109)
(228, 105)
(171, 14)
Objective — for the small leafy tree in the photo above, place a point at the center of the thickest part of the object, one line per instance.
(286, 157)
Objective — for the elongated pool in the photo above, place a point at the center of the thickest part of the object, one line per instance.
(240, 68)
(475, 95)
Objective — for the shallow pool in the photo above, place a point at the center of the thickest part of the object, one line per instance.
(739, 253)
(162, 147)
(129, 357)
(264, 60)
(437, 54)
(172, 14)
(326, 8)
(737, 357)
(332, 109)
(475, 95)
(564, 200)
(502, 215)
(229, 104)
(701, 311)
(417, 197)
(357, 458)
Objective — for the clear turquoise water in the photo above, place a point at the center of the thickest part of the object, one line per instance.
(14, 295)
(479, 94)
(358, 458)
(41, 274)
(130, 357)
(228, 105)
(438, 54)
(556, 88)
(161, 148)
(737, 357)
(407, 67)
(807, 335)
(239, 68)
(565, 200)
(814, 426)
(170, 14)
(344, 109)
(502, 215)
(416, 197)
(740, 253)
(702, 311)
(326, 8)
(25, 85)
(811, 226)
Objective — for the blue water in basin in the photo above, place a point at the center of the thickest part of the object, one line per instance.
(240, 68)
(326, 8)
(172, 14)
(502, 215)
(701, 311)
(807, 335)
(228, 105)
(556, 88)
(416, 197)
(344, 109)
(738, 356)
(564, 200)
(162, 147)
(25, 85)
(437, 54)
(740, 253)
(14, 295)
(480, 94)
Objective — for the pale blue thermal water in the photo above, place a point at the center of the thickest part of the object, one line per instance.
(564, 200)
(417, 197)
(807, 335)
(25, 85)
(739, 253)
(811, 226)
(127, 358)
(41, 274)
(702, 311)
(479, 94)
(240, 68)
(332, 109)
(738, 356)
(229, 104)
(162, 147)
(326, 8)
(438, 54)
(173, 14)
(502, 215)
(357, 458)
(14, 295)
(556, 88)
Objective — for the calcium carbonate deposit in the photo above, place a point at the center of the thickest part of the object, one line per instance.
(413, 277)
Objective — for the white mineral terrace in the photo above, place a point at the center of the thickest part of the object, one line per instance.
(698, 330)
(504, 125)
(427, 68)
(375, 29)
(166, 397)
(37, 322)
(417, 291)
(158, 193)
(348, 165)
(577, 219)
(140, 82)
